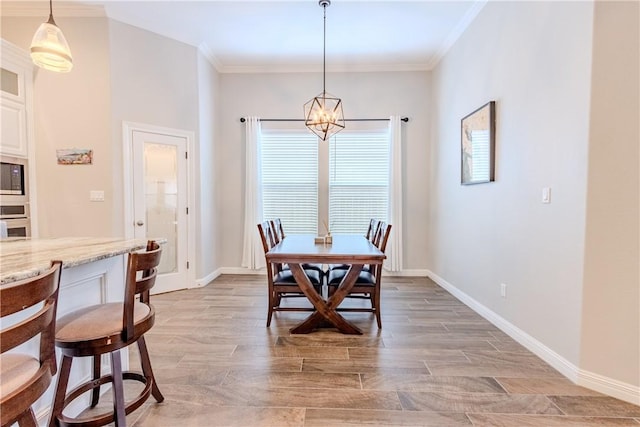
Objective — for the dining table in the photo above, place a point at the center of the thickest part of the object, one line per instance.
(353, 250)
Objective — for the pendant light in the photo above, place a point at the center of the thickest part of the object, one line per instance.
(49, 48)
(323, 114)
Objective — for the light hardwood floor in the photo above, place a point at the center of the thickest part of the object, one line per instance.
(434, 363)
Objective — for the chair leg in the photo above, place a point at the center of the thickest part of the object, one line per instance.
(118, 390)
(97, 371)
(61, 390)
(27, 419)
(147, 370)
(271, 304)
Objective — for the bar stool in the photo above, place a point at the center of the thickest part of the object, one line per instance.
(106, 329)
(24, 377)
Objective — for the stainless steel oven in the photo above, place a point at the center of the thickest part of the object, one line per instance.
(14, 179)
(14, 196)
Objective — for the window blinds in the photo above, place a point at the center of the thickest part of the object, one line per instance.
(290, 180)
(358, 180)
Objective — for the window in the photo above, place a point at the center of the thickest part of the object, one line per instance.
(351, 170)
(358, 180)
(290, 180)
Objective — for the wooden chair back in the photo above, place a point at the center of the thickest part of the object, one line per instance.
(142, 270)
(373, 229)
(16, 297)
(279, 231)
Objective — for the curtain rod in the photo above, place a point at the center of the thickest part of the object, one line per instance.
(404, 119)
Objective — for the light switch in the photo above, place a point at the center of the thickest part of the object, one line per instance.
(546, 195)
(96, 196)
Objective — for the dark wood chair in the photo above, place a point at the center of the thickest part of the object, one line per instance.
(281, 282)
(106, 329)
(277, 234)
(374, 227)
(373, 234)
(26, 377)
(368, 283)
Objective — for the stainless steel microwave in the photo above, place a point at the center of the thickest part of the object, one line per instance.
(13, 176)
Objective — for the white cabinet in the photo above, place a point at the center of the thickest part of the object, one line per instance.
(16, 100)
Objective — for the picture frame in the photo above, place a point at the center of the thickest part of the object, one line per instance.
(75, 156)
(477, 144)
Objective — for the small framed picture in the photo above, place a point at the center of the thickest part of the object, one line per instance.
(74, 156)
(478, 145)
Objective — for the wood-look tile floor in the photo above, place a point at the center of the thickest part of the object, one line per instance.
(434, 363)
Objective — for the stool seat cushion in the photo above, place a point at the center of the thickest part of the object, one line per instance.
(15, 370)
(96, 321)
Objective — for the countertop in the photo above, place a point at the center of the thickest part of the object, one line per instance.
(21, 258)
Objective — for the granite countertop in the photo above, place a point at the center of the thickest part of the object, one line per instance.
(21, 258)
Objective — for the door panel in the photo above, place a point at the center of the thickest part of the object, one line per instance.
(160, 202)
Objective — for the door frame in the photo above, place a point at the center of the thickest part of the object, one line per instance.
(128, 203)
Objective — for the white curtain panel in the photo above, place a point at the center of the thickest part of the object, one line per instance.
(252, 252)
(394, 245)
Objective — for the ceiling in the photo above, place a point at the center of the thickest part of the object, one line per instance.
(263, 36)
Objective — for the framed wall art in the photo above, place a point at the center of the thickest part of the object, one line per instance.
(478, 131)
(75, 156)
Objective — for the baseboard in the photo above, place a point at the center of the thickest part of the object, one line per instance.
(407, 273)
(241, 270)
(599, 383)
(623, 391)
(208, 278)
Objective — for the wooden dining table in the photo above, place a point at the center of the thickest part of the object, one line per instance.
(297, 249)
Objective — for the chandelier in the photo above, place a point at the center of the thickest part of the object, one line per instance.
(323, 114)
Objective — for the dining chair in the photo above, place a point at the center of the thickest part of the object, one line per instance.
(282, 283)
(374, 226)
(368, 283)
(106, 329)
(373, 233)
(24, 377)
(277, 234)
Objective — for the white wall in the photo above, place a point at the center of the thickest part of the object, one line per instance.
(72, 111)
(611, 311)
(121, 73)
(565, 78)
(534, 60)
(208, 186)
(365, 95)
(153, 81)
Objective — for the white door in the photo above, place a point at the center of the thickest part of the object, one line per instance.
(160, 189)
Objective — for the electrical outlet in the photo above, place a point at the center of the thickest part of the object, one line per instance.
(96, 196)
(503, 290)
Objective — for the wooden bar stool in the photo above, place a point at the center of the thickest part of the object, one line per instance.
(24, 377)
(106, 329)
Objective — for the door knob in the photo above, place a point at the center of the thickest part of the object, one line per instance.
(139, 223)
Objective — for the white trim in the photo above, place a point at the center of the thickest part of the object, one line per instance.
(609, 386)
(203, 281)
(127, 166)
(206, 51)
(41, 9)
(457, 31)
(618, 389)
(317, 68)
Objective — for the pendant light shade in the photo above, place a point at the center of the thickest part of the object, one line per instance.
(323, 114)
(49, 48)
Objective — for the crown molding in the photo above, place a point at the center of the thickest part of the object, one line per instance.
(457, 31)
(206, 51)
(314, 68)
(41, 9)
